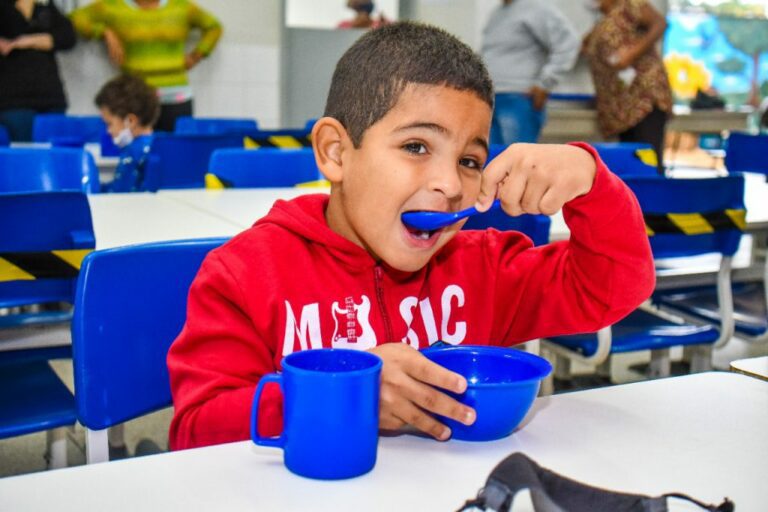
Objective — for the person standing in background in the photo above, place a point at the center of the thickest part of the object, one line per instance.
(147, 38)
(632, 89)
(527, 45)
(30, 32)
(363, 19)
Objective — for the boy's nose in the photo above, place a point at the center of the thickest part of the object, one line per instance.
(445, 178)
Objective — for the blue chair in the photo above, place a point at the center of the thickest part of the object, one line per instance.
(47, 169)
(187, 125)
(181, 161)
(67, 131)
(750, 313)
(5, 139)
(684, 217)
(628, 158)
(747, 153)
(535, 227)
(43, 238)
(267, 167)
(129, 307)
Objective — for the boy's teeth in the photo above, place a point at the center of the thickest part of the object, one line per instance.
(424, 235)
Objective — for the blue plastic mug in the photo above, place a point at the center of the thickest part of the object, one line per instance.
(330, 412)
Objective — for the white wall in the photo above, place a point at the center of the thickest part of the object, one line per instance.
(240, 78)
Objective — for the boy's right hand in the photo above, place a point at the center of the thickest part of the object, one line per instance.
(407, 394)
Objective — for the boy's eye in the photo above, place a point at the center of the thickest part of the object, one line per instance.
(470, 163)
(417, 148)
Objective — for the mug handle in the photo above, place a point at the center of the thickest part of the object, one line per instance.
(276, 442)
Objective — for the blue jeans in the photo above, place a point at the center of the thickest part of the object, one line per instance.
(19, 122)
(515, 119)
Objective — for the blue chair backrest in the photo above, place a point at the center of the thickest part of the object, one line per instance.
(5, 139)
(43, 238)
(686, 217)
(47, 169)
(626, 158)
(66, 130)
(213, 126)
(746, 153)
(267, 167)
(181, 161)
(536, 227)
(130, 306)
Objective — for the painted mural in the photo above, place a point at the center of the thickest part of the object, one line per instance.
(718, 48)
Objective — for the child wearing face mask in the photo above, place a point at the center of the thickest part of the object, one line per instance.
(130, 109)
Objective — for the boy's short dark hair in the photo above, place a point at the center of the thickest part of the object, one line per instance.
(372, 74)
(129, 94)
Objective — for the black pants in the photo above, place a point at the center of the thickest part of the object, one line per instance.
(651, 130)
(169, 113)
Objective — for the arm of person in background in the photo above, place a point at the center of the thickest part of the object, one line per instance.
(557, 35)
(212, 30)
(60, 37)
(90, 22)
(645, 17)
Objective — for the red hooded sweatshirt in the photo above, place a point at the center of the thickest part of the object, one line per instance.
(289, 283)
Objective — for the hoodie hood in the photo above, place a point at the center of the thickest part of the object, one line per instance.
(304, 216)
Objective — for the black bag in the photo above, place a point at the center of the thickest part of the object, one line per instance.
(704, 101)
(551, 492)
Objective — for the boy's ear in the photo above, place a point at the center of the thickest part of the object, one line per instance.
(329, 142)
(133, 120)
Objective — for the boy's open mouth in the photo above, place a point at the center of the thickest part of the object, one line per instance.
(421, 234)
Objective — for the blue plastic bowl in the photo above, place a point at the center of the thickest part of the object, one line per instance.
(501, 386)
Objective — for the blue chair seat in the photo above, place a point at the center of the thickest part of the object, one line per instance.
(642, 330)
(38, 318)
(750, 311)
(33, 398)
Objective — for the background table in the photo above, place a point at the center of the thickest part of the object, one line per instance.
(703, 435)
(753, 367)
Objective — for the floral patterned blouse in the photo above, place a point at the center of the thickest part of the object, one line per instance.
(620, 106)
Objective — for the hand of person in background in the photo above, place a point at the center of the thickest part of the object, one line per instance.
(407, 394)
(622, 58)
(6, 46)
(538, 97)
(192, 59)
(114, 47)
(536, 178)
(42, 42)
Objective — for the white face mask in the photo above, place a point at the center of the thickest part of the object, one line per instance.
(124, 138)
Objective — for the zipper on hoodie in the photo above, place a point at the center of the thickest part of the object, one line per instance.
(377, 279)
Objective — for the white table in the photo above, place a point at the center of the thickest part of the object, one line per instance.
(754, 367)
(703, 435)
(126, 219)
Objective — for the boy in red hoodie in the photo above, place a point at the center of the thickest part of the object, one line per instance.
(405, 128)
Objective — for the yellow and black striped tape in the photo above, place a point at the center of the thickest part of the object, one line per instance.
(695, 223)
(27, 266)
(647, 156)
(277, 141)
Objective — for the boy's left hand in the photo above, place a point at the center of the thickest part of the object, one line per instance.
(536, 178)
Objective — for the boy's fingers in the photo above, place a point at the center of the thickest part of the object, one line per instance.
(551, 202)
(511, 194)
(424, 370)
(412, 415)
(432, 400)
(493, 175)
(534, 191)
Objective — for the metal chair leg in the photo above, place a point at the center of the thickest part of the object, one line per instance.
(661, 363)
(56, 454)
(701, 358)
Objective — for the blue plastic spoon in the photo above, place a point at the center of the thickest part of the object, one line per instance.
(430, 221)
